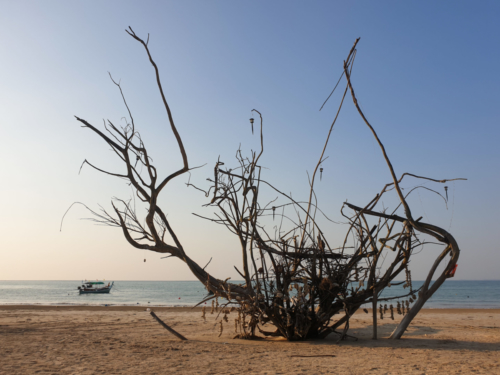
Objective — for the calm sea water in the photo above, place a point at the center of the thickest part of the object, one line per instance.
(452, 294)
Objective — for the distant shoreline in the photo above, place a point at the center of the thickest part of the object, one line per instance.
(98, 308)
(232, 281)
(451, 295)
(191, 309)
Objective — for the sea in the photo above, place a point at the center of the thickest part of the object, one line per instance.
(453, 294)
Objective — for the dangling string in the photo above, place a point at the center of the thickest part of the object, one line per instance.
(422, 205)
(452, 205)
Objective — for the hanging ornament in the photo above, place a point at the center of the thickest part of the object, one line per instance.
(320, 173)
(321, 243)
(251, 122)
(221, 329)
(446, 190)
(408, 283)
(144, 260)
(203, 310)
(274, 208)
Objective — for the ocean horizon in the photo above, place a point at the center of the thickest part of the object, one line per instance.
(454, 294)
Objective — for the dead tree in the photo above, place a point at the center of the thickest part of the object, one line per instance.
(151, 233)
(294, 280)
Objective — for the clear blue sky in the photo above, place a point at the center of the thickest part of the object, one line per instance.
(426, 75)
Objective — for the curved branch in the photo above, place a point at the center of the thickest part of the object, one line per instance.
(169, 113)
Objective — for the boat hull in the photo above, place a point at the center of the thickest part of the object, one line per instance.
(96, 291)
(104, 290)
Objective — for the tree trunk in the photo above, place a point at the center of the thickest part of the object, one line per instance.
(402, 327)
(426, 292)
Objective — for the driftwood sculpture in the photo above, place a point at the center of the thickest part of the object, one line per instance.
(294, 281)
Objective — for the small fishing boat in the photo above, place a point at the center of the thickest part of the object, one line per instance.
(95, 287)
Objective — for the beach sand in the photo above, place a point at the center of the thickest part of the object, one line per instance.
(127, 340)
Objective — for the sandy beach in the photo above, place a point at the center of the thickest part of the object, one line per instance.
(127, 340)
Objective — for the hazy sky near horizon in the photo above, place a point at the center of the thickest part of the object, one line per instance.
(426, 75)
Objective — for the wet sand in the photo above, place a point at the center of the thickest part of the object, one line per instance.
(127, 340)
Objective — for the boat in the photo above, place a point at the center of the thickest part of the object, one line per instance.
(95, 287)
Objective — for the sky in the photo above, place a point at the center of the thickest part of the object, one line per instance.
(426, 76)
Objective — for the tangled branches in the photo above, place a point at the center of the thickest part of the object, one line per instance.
(294, 280)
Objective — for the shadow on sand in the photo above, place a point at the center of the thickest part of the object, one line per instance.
(416, 337)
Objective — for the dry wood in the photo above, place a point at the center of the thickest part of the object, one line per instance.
(169, 329)
(294, 280)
